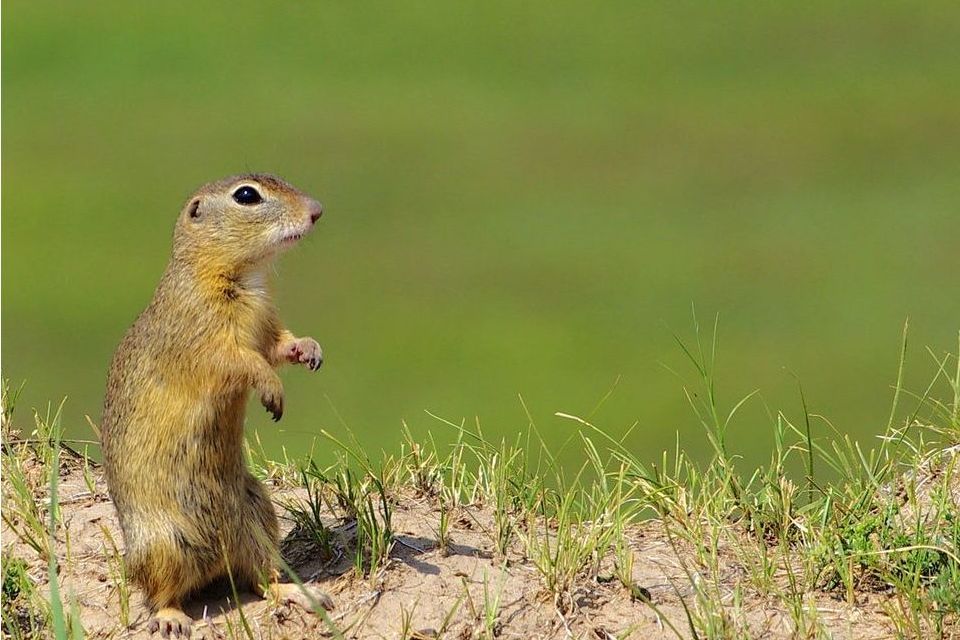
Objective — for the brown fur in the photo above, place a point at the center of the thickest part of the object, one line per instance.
(172, 429)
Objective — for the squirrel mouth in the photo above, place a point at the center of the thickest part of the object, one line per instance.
(292, 237)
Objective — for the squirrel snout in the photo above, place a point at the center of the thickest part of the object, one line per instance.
(316, 210)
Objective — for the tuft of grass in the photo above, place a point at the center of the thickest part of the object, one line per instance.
(443, 527)
(374, 531)
(407, 631)
(23, 512)
(307, 513)
(363, 501)
(28, 466)
(573, 529)
(64, 626)
(31, 471)
(25, 614)
(421, 465)
(487, 613)
(118, 574)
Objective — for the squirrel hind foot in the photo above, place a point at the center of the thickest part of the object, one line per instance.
(170, 621)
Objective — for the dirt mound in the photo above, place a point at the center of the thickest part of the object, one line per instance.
(465, 590)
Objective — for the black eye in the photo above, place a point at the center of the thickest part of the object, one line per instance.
(247, 196)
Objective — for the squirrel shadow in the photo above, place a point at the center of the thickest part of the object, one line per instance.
(220, 598)
(310, 562)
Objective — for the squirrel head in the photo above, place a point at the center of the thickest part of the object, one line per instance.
(241, 222)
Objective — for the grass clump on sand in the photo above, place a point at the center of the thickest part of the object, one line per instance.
(31, 512)
(884, 523)
(486, 539)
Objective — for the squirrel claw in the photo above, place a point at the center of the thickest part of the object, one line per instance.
(274, 406)
(276, 412)
(170, 622)
(313, 363)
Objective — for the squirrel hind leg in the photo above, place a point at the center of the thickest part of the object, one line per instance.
(256, 544)
(261, 572)
(261, 529)
(167, 573)
(260, 508)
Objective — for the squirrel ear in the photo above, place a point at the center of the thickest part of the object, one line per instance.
(193, 209)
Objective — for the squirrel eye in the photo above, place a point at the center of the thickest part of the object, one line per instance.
(247, 196)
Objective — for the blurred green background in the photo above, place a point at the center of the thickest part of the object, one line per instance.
(522, 199)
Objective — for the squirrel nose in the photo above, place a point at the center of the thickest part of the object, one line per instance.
(316, 210)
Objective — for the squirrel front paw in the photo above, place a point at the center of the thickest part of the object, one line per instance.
(305, 351)
(272, 399)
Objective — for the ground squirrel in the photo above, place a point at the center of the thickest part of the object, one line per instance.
(172, 429)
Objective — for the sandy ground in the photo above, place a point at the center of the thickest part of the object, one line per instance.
(421, 587)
